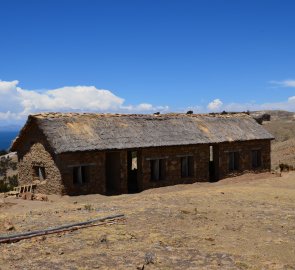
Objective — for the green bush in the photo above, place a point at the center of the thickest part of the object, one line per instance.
(4, 187)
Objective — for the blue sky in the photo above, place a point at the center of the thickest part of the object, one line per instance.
(147, 55)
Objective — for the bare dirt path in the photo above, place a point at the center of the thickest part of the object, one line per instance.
(246, 222)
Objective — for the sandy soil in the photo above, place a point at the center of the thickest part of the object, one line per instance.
(247, 222)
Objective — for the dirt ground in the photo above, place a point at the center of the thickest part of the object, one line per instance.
(247, 222)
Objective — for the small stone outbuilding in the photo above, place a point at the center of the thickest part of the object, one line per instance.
(72, 153)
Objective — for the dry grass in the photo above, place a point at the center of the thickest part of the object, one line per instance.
(246, 222)
(282, 126)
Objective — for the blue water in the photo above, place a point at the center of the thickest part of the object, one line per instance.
(6, 137)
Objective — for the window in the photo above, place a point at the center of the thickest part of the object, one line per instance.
(233, 159)
(256, 159)
(187, 166)
(157, 169)
(80, 174)
(133, 160)
(40, 172)
(211, 153)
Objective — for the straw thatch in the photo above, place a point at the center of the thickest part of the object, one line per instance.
(72, 132)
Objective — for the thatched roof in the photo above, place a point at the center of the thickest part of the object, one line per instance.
(70, 132)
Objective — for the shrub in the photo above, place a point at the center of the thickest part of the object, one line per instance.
(285, 167)
(4, 187)
(88, 207)
(13, 181)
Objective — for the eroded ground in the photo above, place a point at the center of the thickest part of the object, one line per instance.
(246, 222)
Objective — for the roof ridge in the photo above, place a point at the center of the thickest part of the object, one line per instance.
(73, 114)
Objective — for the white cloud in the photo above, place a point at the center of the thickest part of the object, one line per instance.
(215, 105)
(17, 103)
(285, 83)
(6, 87)
(70, 98)
(143, 108)
(288, 105)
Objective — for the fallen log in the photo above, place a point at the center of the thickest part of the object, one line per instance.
(73, 226)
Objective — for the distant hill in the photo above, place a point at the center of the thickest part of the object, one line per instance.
(282, 126)
(276, 114)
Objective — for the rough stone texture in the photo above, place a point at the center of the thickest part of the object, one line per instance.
(245, 159)
(172, 158)
(59, 168)
(39, 156)
(96, 172)
(35, 151)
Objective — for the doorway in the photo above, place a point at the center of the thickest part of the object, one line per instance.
(132, 162)
(213, 163)
(113, 163)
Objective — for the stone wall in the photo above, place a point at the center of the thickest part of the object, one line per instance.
(96, 180)
(95, 162)
(39, 156)
(172, 159)
(35, 151)
(245, 158)
(59, 168)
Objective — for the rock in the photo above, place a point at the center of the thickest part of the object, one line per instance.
(43, 238)
(150, 258)
(210, 239)
(8, 226)
(40, 197)
(103, 239)
(27, 196)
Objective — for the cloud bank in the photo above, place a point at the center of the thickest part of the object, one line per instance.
(18, 103)
(217, 105)
(285, 83)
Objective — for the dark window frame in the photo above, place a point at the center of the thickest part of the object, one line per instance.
(80, 175)
(158, 169)
(39, 172)
(256, 160)
(233, 161)
(187, 166)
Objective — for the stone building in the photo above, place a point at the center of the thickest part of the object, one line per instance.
(75, 153)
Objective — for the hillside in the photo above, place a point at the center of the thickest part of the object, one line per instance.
(240, 223)
(8, 171)
(282, 126)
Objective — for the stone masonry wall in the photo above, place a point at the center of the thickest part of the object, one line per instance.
(35, 151)
(95, 162)
(39, 156)
(245, 158)
(96, 180)
(59, 168)
(172, 158)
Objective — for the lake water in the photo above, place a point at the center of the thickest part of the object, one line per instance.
(6, 138)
